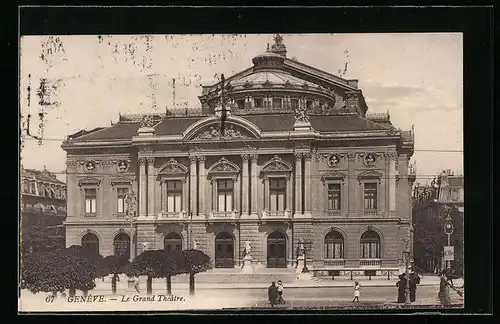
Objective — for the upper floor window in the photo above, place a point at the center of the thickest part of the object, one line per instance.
(225, 195)
(174, 196)
(276, 102)
(90, 201)
(294, 103)
(334, 196)
(257, 102)
(370, 194)
(241, 104)
(121, 199)
(277, 194)
(309, 104)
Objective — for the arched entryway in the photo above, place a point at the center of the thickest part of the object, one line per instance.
(276, 250)
(90, 243)
(224, 250)
(172, 241)
(121, 245)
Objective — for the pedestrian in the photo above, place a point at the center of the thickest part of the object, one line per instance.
(401, 284)
(136, 285)
(272, 293)
(356, 292)
(280, 289)
(414, 281)
(444, 290)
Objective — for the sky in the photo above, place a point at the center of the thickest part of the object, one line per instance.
(417, 78)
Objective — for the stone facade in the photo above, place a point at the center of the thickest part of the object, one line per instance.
(271, 170)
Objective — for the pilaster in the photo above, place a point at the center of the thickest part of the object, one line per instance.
(254, 183)
(307, 184)
(245, 185)
(201, 183)
(298, 185)
(192, 185)
(151, 186)
(142, 187)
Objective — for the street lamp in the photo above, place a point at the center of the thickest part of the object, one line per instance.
(448, 230)
(406, 256)
(131, 200)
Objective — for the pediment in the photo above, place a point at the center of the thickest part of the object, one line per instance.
(121, 180)
(276, 164)
(332, 175)
(370, 174)
(89, 181)
(173, 167)
(224, 166)
(213, 132)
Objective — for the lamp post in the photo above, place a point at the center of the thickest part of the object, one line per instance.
(448, 230)
(406, 256)
(131, 200)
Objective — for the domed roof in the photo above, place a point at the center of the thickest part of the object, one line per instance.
(271, 77)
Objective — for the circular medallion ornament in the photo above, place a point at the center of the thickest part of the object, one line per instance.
(333, 160)
(90, 166)
(122, 166)
(369, 159)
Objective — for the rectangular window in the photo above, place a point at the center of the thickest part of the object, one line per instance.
(174, 196)
(309, 104)
(370, 250)
(277, 194)
(294, 103)
(370, 196)
(121, 200)
(334, 196)
(276, 102)
(225, 192)
(90, 201)
(257, 102)
(241, 104)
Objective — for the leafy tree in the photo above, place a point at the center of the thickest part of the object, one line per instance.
(114, 265)
(41, 233)
(173, 265)
(57, 271)
(149, 263)
(195, 261)
(96, 260)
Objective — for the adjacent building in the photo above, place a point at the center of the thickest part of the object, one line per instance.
(432, 204)
(297, 162)
(43, 204)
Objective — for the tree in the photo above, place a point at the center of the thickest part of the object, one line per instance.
(114, 265)
(57, 271)
(174, 265)
(39, 233)
(149, 263)
(195, 261)
(96, 260)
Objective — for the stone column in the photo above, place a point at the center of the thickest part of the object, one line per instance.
(192, 185)
(236, 193)
(245, 185)
(267, 202)
(201, 182)
(185, 196)
(392, 184)
(142, 187)
(255, 180)
(298, 184)
(151, 186)
(307, 184)
(289, 193)
(213, 182)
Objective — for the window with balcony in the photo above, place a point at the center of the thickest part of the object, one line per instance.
(121, 200)
(370, 194)
(225, 193)
(370, 245)
(174, 196)
(334, 196)
(277, 194)
(90, 201)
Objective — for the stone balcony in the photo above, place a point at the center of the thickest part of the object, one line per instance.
(223, 215)
(337, 263)
(279, 215)
(171, 216)
(370, 263)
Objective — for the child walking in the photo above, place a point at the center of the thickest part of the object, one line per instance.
(356, 292)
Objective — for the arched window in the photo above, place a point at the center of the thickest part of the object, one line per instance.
(172, 241)
(90, 242)
(121, 245)
(334, 245)
(370, 245)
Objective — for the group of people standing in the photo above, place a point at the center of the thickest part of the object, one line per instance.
(412, 279)
(275, 293)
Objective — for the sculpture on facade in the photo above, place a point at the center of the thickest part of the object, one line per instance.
(214, 133)
(248, 248)
(122, 166)
(147, 122)
(300, 115)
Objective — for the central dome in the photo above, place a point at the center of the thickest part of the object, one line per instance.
(268, 61)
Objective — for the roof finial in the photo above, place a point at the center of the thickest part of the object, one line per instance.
(268, 50)
(278, 46)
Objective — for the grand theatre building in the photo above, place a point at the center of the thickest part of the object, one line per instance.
(297, 163)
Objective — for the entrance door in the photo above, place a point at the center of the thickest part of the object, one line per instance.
(276, 250)
(224, 250)
(172, 241)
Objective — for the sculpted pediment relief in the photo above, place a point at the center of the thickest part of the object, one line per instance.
(89, 182)
(173, 167)
(213, 132)
(332, 175)
(121, 180)
(276, 164)
(224, 166)
(369, 174)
